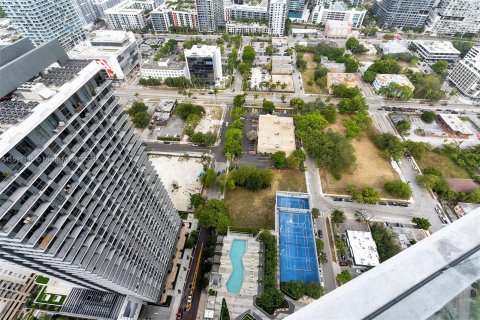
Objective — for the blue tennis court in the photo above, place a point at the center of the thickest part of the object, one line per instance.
(297, 248)
(292, 202)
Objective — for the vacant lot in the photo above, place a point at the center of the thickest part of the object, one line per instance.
(370, 168)
(444, 164)
(307, 75)
(255, 209)
(280, 79)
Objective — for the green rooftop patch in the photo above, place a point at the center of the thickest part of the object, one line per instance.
(50, 298)
(42, 280)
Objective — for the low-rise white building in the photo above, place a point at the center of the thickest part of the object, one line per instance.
(383, 80)
(253, 28)
(164, 68)
(393, 47)
(340, 12)
(362, 248)
(298, 31)
(454, 124)
(429, 50)
(275, 134)
(117, 51)
(338, 29)
(466, 74)
(129, 14)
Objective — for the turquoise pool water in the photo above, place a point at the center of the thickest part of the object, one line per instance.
(234, 283)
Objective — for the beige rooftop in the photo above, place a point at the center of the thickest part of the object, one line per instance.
(275, 134)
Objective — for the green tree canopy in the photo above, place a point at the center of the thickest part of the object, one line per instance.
(398, 188)
(248, 54)
(344, 276)
(308, 122)
(268, 106)
(279, 159)
(390, 145)
(338, 216)
(386, 241)
(208, 179)
(428, 116)
(214, 216)
(421, 223)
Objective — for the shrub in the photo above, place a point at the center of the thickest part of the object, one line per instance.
(428, 116)
(421, 223)
(279, 159)
(398, 188)
(186, 110)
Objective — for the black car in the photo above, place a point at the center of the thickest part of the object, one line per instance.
(473, 293)
(320, 233)
(337, 199)
(475, 285)
(403, 204)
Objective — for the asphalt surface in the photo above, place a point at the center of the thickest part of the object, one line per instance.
(194, 274)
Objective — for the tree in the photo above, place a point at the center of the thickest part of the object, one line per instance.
(386, 241)
(390, 145)
(191, 240)
(421, 223)
(297, 104)
(279, 159)
(398, 188)
(248, 54)
(252, 178)
(329, 113)
(343, 277)
(320, 72)
(351, 105)
(283, 97)
(428, 116)
(301, 63)
(338, 216)
(296, 159)
(427, 181)
(308, 122)
(364, 195)
(140, 119)
(440, 67)
(403, 126)
(196, 199)
(225, 183)
(214, 216)
(184, 110)
(252, 135)
(268, 106)
(427, 86)
(315, 213)
(208, 178)
(330, 150)
(351, 65)
(225, 314)
(463, 46)
(415, 149)
(369, 76)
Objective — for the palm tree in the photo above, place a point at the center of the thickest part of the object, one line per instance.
(283, 97)
(255, 96)
(278, 83)
(284, 85)
(215, 92)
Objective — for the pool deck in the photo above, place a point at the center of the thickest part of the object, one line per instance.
(239, 302)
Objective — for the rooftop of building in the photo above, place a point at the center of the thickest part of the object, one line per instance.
(363, 248)
(125, 7)
(179, 5)
(462, 185)
(201, 50)
(248, 4)
(169, 63)
(432, 46)
(455, 123)
(166, 105)
(276, 133)
(103, 43)
(34, 100)
(337, 24)
(348, 79)
(396, 78)
(393, 46)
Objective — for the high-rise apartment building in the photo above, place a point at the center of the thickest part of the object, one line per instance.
(277, 15)
(211, 15)
(403, 13)
(204, 63)
(295, 8)
(182, 15)
(79, 199)
(45, 20)
(466, 74)
(455, 16)
(340, 12)
(15, 286)
(129, 14)
(86, 11)
(101, 5)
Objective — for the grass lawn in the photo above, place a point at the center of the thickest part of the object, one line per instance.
(444, 164)
(363, 174)
(255, 209)
(308, 75)
(41, 280)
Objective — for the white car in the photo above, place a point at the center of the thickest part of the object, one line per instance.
(189, 299)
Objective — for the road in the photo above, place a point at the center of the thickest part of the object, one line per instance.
(192, 279)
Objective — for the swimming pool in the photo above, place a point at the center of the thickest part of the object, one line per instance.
(235, 281)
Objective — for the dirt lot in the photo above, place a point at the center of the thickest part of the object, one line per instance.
(370, 168)
(444, 164)
(308, 75)
(283, 78)
(169, 167)
(255, 209)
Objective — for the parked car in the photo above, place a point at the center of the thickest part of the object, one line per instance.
(348, 200)
(320, 233)
(403, 204)
(382, 203)
(180, 314)
(343, 263)
(189, 299)
(473, 293)
(360, 270)
(337, 199)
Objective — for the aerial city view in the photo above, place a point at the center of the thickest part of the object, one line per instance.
(239, 159)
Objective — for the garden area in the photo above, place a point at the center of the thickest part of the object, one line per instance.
(256, 209)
